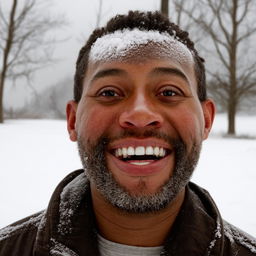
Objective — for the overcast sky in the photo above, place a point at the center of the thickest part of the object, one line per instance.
(81, 17)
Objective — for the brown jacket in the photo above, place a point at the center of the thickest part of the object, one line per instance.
(68, 227)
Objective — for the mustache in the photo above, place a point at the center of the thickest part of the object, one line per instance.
(93, 153)
(104, 140)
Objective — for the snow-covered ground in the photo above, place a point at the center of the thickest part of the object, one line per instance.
(36, 154)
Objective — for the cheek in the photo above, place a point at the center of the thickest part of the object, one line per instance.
(188, 123)
(95, 121)
(191, 125)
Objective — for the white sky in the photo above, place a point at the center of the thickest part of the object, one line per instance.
(81, 16)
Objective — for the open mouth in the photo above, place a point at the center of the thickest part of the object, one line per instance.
(140, 155)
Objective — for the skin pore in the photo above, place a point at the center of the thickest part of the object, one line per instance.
(157, 96)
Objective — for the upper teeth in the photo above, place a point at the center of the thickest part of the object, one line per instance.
(140, 151)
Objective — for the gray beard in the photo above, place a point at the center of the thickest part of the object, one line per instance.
(94, 163)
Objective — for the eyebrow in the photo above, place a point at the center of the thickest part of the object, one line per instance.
(156, 71)
(169, 71)
(108, 72)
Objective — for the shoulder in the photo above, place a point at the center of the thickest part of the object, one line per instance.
(19, 237)
(237, 241)
(227, 239)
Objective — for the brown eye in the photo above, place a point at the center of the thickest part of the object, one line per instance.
(108, 93)
(168, 93)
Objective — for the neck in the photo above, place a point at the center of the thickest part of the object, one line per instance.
(149, 229)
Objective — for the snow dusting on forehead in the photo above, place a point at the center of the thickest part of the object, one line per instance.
(122, 43)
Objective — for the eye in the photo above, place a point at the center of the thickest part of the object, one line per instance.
(108, 93)
(168, 93)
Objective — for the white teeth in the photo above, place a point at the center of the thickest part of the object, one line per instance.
(149, 150)
(161, 152)
(156, 151)
(139, 151)
(124, 152)
(139, 163)
(130, 151)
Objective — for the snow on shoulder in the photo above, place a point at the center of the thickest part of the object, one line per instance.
(235, 234)
(121, 43)
(70, 199)
(27, 223)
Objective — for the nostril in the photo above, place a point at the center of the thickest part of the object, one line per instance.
(129, 124)
(154, 123)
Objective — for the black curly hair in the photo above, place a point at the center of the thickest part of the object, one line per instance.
(144, 21)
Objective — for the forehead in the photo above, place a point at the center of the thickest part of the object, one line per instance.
(138, 46)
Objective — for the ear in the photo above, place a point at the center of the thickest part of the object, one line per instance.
(71, 119)
(209, 110)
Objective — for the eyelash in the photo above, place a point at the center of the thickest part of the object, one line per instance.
(108, 95)
(173, 93)
(107, 91)
(111, 95)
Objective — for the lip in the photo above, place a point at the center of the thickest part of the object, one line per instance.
(154, 167)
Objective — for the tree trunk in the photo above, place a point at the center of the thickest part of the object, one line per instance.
(165, 7)
(99, 14)
(233, 72)
(6, 51)
(231, 119)
(1, 100)
(232, 93)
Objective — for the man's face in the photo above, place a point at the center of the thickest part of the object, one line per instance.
(139, 127)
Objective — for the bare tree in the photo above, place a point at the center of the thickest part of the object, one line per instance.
(231, 27)
(175, 10)
(25, 42)
(186, 23)
(165, 7)
(99, 13)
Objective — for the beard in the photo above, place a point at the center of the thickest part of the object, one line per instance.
(95, 165)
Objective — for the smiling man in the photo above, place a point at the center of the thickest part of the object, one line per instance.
(140, 114)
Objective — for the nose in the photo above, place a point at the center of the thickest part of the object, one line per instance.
(140, 113)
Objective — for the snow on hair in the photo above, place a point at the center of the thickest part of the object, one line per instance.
(120, 43)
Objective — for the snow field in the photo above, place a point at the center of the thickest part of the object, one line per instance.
(35, 155)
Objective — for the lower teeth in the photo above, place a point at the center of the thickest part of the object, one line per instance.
(139, 163)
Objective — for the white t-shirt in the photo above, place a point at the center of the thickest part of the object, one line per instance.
(108, 248)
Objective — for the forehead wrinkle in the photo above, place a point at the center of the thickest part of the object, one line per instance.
(168, 71)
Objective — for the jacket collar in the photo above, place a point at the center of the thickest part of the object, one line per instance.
(198, 229)
(68, 227)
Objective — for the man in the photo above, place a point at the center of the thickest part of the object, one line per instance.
(140, 113)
